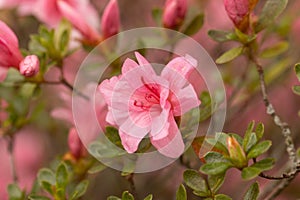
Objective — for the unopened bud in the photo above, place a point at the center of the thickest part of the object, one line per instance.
(174, 13)
(75, 145)
(30, 66)
(236, 153)
(110, 22)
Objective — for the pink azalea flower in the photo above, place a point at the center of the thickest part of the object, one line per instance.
(30, 66)
(141, 102)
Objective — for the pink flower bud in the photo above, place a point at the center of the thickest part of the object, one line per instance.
(30, 66)
(10, 55)
(110, 22)
(239, 11)
(174, 13)
(77, 21)
(75, 145)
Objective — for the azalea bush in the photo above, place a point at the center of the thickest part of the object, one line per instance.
(149, 99)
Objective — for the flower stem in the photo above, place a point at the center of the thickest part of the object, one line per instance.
(10, 149)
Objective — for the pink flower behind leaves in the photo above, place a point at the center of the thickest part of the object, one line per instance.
(110, 22)
(141, 102)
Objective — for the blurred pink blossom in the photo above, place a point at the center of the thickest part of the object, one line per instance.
(140, 102)
(110, 22)
(75, 145)
(30, 66)
(10, 55)
(174, 13)
(28, 154)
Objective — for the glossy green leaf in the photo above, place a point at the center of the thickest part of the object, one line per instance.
(271, 10)
(195, 25)
(259, 149)
(215, 182)
(97, 168)
(113, 135)
(149, 197)
(113, 198)
(46, 175)
(14, 192)
(296, 89)
(80, 190)
(258, 167)
(47, 187)
(221, 36)
(215, 168)
(259, 130)
(230, 55)
(61, 176)
(212, 157)
(252, 192)
(194, 181)
(181, 193)
(127, 196)
(222, 197)
(249, 141)
(274, 50)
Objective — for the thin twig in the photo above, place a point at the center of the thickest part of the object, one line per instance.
(286, 132)
(10, 149)
(132, 184)
(68, 85)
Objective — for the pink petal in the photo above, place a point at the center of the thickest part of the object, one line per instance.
(8, 35)
(172, 145)
(107, 88)
(159, 123)
(63, 114)
(186, 99)
(3, 73)
(178, 70)
(129, 142)
(77, 21)
(110, 22)
(128, 65)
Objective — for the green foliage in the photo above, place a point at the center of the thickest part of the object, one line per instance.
(194, 181)
(255, 169)
(157, 16)
(274, 50)
(79, 190)
(296, 88)
(222, 197)
(127, 196)
(15, 193)
(181, 193)
(221, 36)
(195, 25)
(230, 55)
(215, 168)
(252, 192)
(37, 197)
(271, 10)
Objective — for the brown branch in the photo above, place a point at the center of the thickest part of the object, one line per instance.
(285, 130)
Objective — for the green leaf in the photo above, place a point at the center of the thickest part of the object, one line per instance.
(215, 168)
(230, 55)
(181, 193)
(221, 36)
(61, 176)
(258, 167)
(296, 89)
(27, 90)
(212, 157)
(149, 197)
(259, 149)
(271, 10)
(222, 197)
(249, 128)
(36, 197)
(62, 36)
(13, 75)
(127, 196)
(14, 192)
(97, 168)
(252, 192)
(259, 131)
(80, 190)
(215, 182)
(157, 15)
(113, 135)
(113, 198)
(275, 50)
(298, 152)
(244, 38)
(47, 186)
(249, 141)
(194, 181)
(195, 25)
(46, 175)
(217, 145)
(297, 70)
